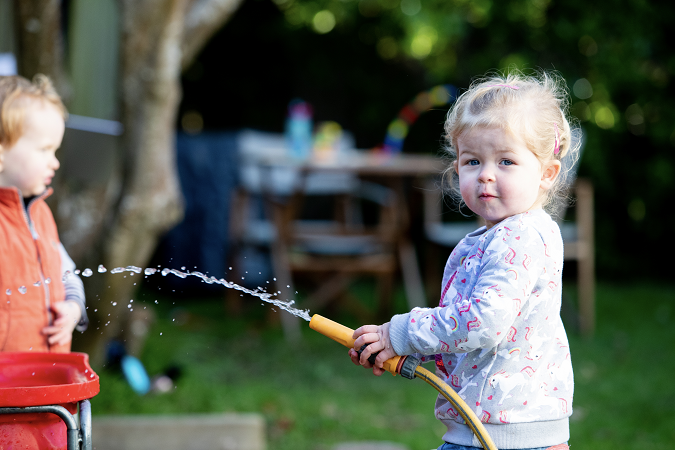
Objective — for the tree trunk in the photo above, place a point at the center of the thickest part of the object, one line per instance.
(149, 202)
(150, 199)
(40, 41)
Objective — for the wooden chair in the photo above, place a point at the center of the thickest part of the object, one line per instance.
(338, 249)
(579, 246)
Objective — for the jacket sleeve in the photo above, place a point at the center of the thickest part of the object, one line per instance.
(74, 287)
(505, 274)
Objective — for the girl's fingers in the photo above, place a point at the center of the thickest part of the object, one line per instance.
(364, 329)
(354, 356)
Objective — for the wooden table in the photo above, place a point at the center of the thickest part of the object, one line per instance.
(392, 171)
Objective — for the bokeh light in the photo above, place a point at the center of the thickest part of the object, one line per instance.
(582, 89)
(423, 42)
(192, 122)
(323, 22)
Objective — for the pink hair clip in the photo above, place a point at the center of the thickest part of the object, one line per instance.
(556, 150)
(515, 88)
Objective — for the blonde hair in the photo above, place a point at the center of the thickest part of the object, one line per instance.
(17, 95)
(532, 108)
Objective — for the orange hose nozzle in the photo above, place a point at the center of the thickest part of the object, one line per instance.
(343, 335)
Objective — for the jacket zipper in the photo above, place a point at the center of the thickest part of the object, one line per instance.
(35, 236)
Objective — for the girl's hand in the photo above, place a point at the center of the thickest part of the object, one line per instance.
(377, 339)
(67, 314)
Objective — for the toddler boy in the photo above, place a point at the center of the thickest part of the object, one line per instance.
(39, 307)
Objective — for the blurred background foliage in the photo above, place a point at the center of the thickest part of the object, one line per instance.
(359, 61)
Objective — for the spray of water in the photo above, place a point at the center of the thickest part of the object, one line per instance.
(262, 295)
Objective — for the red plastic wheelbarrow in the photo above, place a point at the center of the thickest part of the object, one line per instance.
(39, 395)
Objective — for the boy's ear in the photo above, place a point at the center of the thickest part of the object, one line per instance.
(550, 173)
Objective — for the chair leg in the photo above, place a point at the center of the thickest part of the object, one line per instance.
(385, 290)
(433, 271)
(586, 266)
(328, 291)
(414, 289)
(289, 323)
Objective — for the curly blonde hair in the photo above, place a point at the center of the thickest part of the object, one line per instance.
(17, 94)
(533, 108)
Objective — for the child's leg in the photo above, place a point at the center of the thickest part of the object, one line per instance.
(449, 446)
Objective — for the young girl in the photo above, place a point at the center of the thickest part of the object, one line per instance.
(497, 336)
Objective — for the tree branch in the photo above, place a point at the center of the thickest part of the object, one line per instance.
(203, 19)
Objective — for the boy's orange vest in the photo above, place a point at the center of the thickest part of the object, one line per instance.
(29, 262)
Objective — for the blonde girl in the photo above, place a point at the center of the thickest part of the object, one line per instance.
(496, 335)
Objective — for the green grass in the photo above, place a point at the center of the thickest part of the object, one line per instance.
(313, 397)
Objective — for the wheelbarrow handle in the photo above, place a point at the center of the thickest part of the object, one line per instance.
(85, 424)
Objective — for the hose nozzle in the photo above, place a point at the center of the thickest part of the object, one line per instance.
(343, 335)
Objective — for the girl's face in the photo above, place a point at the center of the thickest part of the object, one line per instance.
(30, 164)
(499, 176)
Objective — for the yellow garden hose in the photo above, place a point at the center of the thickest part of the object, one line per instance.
(408, 367)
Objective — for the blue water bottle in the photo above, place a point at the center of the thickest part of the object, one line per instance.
(299, 129)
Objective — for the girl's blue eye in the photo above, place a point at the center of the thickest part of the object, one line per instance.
(473, 162)
(507, 162)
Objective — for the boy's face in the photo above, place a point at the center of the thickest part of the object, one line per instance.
(30, 164)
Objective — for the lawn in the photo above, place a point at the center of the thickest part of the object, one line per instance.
(313, 397)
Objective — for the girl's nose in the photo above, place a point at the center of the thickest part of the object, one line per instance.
(55, 164)
(486, 174)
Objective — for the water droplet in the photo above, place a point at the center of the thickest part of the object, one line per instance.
(117, 270)
(87, 273)
(48, 280)
(30, 348)
(182, 268)
(33, 373)
(8, 292)
(165, 271)
(174, 320)
(274, 279)
(160, 334)
(77, 271)
(114, 303)
(91, 376)
(37, 283)
(150, 271)
(96, 310)
(156, 302)
(230, 268)
(101, 268)
(288, 285)
(134, 269)
(128, 306)
(22, 289)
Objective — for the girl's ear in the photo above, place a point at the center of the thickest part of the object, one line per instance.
(454, 167)
(550, 172)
